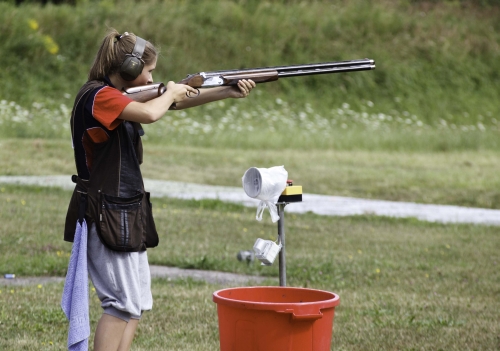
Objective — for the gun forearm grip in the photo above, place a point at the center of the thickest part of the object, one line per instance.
(257, 77)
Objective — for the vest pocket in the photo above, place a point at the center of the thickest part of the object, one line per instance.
(151, 237)
(120, 222)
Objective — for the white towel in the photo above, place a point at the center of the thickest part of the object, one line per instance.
(75, 298)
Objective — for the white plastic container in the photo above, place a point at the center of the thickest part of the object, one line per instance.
(266, 251)
(265, 184)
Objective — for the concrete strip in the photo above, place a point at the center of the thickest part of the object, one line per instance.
(212, 277)
(23, 281)
(319, 204)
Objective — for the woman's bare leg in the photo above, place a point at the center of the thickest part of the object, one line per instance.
(109, 333)
(128, 335)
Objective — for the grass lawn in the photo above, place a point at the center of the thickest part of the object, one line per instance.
(403, 284)
(465, 178)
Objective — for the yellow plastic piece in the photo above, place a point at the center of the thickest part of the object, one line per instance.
(292, 190)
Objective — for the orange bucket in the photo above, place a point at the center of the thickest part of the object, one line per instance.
(275, 318)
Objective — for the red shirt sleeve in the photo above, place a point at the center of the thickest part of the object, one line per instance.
(108, 105)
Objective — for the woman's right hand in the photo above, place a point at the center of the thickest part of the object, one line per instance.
(152, 110)
(180, 92)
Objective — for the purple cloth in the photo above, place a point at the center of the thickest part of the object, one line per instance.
(75, 298)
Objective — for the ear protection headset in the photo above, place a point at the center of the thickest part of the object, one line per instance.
(133, 64)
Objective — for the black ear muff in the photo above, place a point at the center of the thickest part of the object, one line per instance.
(133, 64)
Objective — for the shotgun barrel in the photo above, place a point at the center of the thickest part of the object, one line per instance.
(268, 74)
(294, 68)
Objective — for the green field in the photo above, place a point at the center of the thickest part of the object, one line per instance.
(464, 178)
(403, 284)
(437, 75)
(424, 126)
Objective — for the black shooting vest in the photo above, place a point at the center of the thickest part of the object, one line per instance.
(113, 197)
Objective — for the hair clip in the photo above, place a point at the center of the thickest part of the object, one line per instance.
(119, 36)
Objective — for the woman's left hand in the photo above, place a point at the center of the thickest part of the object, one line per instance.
(243, 88)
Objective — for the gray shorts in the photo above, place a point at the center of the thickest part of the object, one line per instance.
(122, 279)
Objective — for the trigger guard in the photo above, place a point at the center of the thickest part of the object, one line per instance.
(188, 94)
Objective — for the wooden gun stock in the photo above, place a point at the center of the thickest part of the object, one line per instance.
(145, 93)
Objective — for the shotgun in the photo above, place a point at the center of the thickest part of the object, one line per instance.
(258, 75)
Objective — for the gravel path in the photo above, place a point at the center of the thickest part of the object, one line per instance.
(319, 204)
(213, 277)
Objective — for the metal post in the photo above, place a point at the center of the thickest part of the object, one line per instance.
(281, 240)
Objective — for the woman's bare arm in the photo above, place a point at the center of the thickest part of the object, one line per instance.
(153, 110)
(218, 93)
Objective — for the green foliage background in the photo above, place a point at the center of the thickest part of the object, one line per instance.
(435, 59)
(404, 284)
